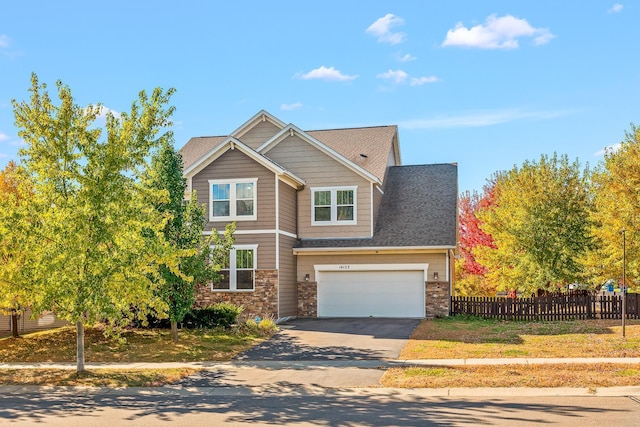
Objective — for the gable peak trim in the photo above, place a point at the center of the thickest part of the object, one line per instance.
(259, 117)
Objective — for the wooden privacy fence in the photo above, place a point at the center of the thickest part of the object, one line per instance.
(548, 307)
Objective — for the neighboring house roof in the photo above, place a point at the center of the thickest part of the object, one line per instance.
(374, 142)
(419, 209)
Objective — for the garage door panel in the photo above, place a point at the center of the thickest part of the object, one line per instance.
(371, 293)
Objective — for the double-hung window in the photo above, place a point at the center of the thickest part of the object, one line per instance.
(233, 200)
(239, 274)
(333, 205)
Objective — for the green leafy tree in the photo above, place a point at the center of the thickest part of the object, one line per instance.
(198, 262)
(616, 195)
(540, 226)
(92, 258)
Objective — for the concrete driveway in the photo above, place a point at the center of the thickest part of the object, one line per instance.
(307, 354)
(335, 340)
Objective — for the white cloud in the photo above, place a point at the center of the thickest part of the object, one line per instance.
(405, 58)
(608, 150)
(289, 107)
(400, 77)
(497, 33)
(481, 119)
(324, 73)
(616, 8)
(3, 156)
(382, 29)
(4, 41)
(3, 137)
(397, 76)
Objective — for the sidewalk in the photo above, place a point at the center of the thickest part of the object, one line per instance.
(304, 364)
(359, 377)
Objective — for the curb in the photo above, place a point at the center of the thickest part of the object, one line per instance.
(481, 392)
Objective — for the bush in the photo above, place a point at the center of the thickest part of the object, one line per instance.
(262, 327)
(221, 314)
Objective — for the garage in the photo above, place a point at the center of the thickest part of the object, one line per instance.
(371, 290)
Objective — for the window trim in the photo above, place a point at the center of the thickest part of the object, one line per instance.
(233, 200)
(232, 270)
(334, 205)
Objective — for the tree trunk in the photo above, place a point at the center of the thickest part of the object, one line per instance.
(14, 324)
(80, 346)
(174, 331)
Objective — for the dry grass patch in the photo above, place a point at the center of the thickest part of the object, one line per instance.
(136, 345)
(96, 378)
(462, 338)
(586, 375)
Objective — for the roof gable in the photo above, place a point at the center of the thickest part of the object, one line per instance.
(291, 130)
(260, 116)
(231, 143)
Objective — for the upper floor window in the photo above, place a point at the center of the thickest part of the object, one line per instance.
(333, 205)
(233, 199)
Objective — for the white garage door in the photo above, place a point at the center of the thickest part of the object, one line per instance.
(371, 294)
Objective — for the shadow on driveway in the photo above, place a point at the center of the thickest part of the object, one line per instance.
(334, 339)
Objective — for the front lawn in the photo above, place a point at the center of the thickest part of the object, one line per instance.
(136, 345)
(473, 338)
(465, 338)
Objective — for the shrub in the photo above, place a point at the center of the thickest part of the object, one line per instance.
(221, 314)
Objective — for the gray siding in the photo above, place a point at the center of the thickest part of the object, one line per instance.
(259, 134)
(319, 170)
(288, 289)
(232, 165)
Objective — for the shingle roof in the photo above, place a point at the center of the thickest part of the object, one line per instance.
(197, 147)
(374, 142)
(419, 208)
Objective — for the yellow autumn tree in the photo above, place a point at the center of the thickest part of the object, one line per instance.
(616, 195)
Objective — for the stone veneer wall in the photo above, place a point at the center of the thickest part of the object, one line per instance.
(262, 302)
(307, 299)
(438, 299)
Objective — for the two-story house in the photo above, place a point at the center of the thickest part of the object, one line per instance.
(329, 223)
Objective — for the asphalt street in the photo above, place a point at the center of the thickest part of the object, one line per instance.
(366, 407)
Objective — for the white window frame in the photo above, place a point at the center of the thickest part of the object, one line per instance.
(232, 200)
(334, 205)
(233, 272)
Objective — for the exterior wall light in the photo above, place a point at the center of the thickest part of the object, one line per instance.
(435, 275)
(306, 277)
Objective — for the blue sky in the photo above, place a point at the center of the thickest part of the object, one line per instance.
(486, 84)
